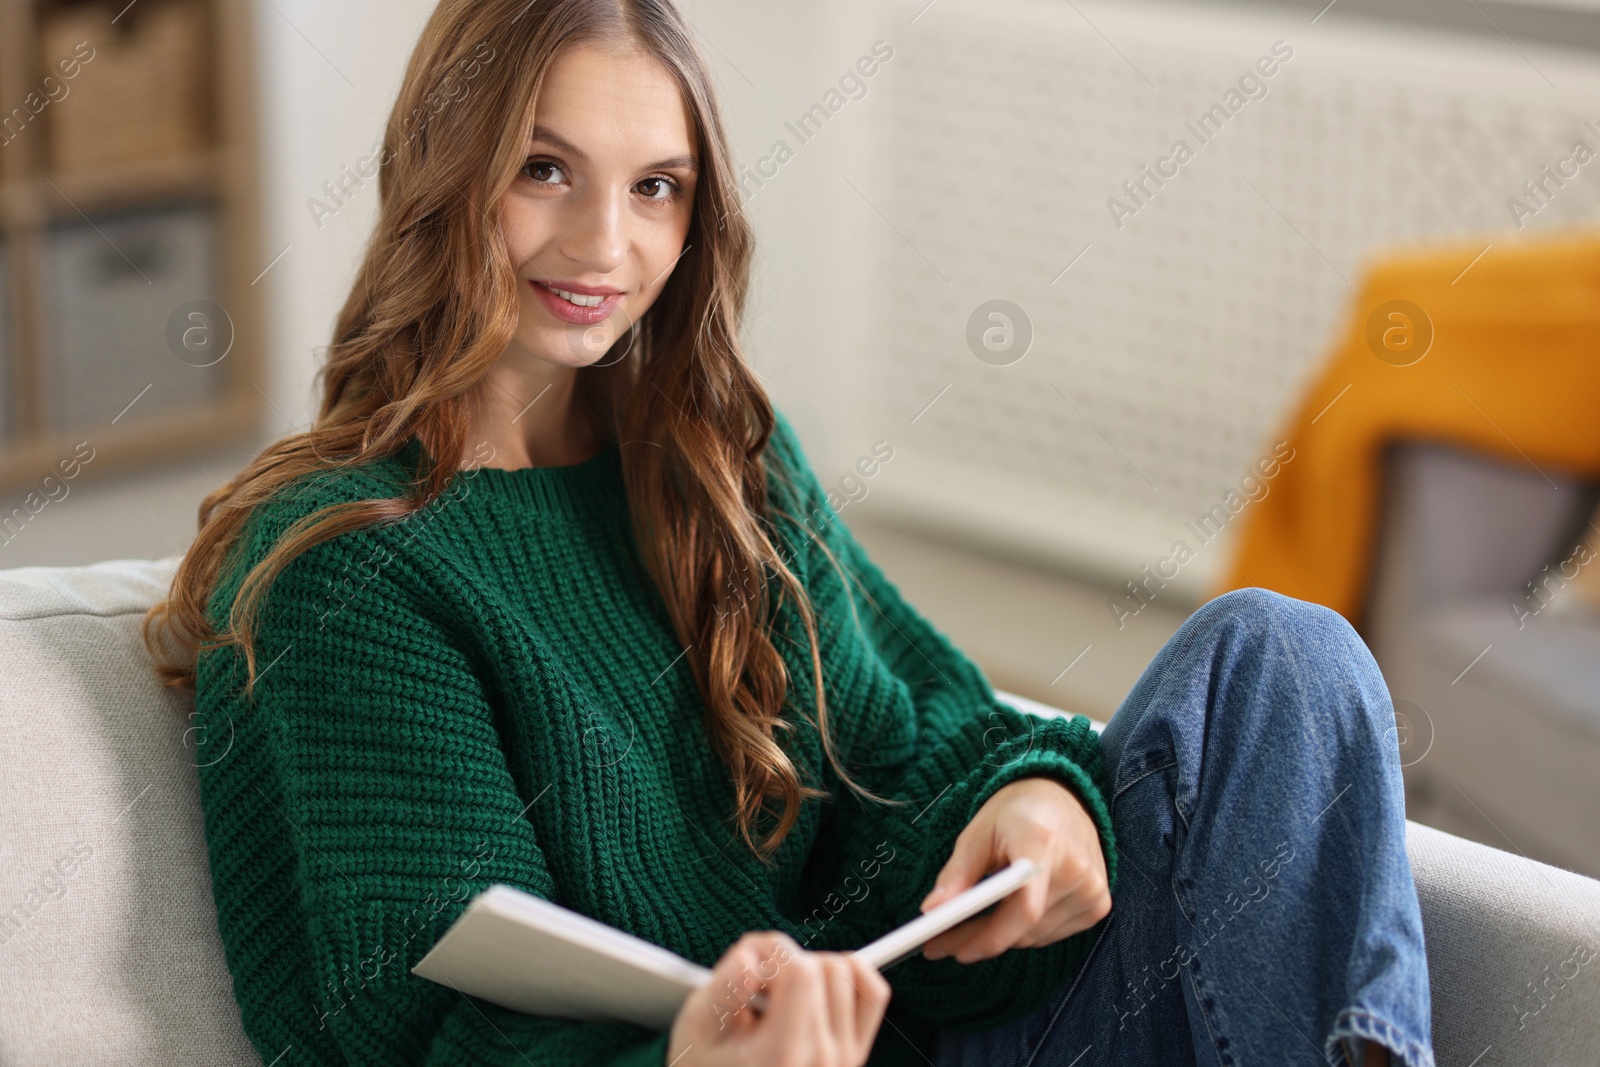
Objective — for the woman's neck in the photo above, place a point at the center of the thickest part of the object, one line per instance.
(532, 423)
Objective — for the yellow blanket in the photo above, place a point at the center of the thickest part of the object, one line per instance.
(1496, 351)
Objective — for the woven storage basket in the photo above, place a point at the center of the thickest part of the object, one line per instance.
(145, 95)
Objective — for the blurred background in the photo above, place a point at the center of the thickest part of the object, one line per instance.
(1085, 311)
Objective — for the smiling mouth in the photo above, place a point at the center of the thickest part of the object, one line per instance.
(578, 309)
(580, 299)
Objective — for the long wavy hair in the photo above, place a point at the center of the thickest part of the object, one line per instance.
(435, 304)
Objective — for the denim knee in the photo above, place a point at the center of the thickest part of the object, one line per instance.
(1307, 631)
(1325, 649)
(1263, 610)
(1212, 678)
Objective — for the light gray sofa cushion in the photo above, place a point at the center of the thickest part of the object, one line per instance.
(109, 950)
(1546, 659)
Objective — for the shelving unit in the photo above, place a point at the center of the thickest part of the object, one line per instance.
(98, 262)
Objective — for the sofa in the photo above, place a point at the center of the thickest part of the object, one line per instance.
(109, 951)
(1503, 685)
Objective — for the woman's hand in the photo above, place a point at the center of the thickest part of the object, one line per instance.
(1036, 818)
(822, 1008)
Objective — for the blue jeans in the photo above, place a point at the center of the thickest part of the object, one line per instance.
(1264, 911)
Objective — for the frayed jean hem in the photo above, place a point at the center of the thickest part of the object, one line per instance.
(1356, 1024)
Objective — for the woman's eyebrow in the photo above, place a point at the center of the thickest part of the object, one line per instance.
(541, 133)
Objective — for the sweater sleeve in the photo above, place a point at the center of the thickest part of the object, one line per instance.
(379, 760)
(943, 745)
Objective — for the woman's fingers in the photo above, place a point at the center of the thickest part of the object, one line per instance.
(801, 1008)
(874, 993)
(745, 971)
(840, 980)
(1030, 917)
(822, 1008)
(857, 995)
(956, 935)
(970, 859)
(723, 997)
(1012, 919)
(1045, 821)
(719, 1013)
(1068, 916)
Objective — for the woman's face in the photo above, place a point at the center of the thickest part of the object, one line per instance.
(602, 206)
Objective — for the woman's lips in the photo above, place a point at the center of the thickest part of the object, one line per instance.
(567, 311)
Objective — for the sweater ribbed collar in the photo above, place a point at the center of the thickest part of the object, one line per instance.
(575, 489)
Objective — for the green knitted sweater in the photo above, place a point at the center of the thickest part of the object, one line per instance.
(491, 691)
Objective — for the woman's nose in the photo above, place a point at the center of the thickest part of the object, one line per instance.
(594, 233)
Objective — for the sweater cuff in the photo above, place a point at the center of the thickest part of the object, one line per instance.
(1066, 750)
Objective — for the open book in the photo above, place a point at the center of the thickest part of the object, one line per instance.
(525, 953)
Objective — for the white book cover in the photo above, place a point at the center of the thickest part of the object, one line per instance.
(531, 955)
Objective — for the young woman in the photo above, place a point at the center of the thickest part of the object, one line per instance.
(549, 595)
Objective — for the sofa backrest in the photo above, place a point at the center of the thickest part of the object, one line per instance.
(109, 951)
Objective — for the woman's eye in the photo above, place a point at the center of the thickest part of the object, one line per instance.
(535, 167)
(549, 172)
(667, 184)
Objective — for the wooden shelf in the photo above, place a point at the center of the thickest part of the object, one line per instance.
(29, 201)
(119, 450)
(33, 200)
(130, 186)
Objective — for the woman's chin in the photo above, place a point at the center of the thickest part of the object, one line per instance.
(568, 347)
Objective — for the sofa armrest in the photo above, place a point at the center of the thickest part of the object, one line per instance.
(1513, 953)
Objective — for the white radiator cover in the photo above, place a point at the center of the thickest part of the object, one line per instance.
(1164, 362)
